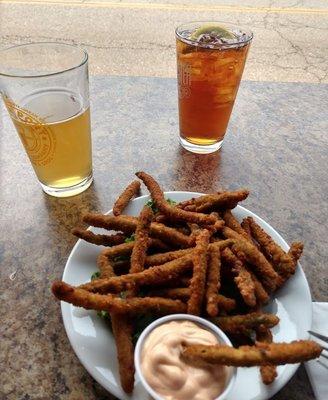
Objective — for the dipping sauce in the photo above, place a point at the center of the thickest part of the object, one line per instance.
(169, 375)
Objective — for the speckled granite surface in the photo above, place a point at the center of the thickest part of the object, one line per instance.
(277, 146)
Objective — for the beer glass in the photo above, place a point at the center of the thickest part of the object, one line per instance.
(46, 91)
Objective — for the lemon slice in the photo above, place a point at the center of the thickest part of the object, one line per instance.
(216, 29)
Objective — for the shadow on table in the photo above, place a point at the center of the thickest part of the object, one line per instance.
(197, 172)
(66, 213)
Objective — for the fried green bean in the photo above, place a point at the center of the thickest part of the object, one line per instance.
(283, 262)
(255, 258)
(198, 280)
(98, 239)
(105, 266)
(220, 201)
(268, 372)
(95, 301)
(242, 277)
(245, 323)
(174, 213)
(128, 225)
(139, 251)
(213, 281)
(249, 356)
(123, 200)
(153, 276)
(123, 331)
(232, 222)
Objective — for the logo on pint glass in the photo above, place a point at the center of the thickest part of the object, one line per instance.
(36, 136)
(184, 80)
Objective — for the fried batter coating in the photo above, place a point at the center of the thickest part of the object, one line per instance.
(173, 213)
(123, 223)
(217, 227)
(139, 250)
(262, 296)
(213, 282)
(158, 244)
(261, 265)
(162, 258)
(249, 356)
(153, 276)
(221, 244)
(268, 372)
(194, 231)
(105, 266)
(244, 324)
(246, 286)
(124, 249)
(170, 235)
(100, 240)
(194, 228)
(123, 200)
(295, 251)
(94, 301)
(186, 203)
(128, 225)
(160, 218)
(242, 277)
(123, 331)
(171, 293)
(220, 201)
(198, 280)
(283, 263)
(182, 281)
(232, 222)
(245, 225)
(255, 258)
(226, 303)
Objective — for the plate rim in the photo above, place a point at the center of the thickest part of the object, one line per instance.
(285, 377)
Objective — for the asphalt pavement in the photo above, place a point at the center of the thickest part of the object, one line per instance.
(136, 38)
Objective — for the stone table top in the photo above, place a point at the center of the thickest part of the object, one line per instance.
(276, 146)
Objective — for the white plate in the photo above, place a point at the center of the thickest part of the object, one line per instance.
(94, 345)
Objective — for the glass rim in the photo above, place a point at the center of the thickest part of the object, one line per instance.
(194, 42)
(84, 54)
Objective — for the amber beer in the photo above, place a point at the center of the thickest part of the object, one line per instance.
(56, 137)
(209, 73)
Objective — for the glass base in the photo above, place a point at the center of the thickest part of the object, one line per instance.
(69, 191)
(200, 149)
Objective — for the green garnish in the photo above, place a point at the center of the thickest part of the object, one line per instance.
(103, 314)
(171, 202)
(95, 275)
(130, 238)
(152, 204)
(141, 322)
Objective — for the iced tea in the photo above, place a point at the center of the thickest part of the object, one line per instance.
(210, 65)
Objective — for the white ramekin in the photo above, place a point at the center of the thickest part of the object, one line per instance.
(222, 338)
